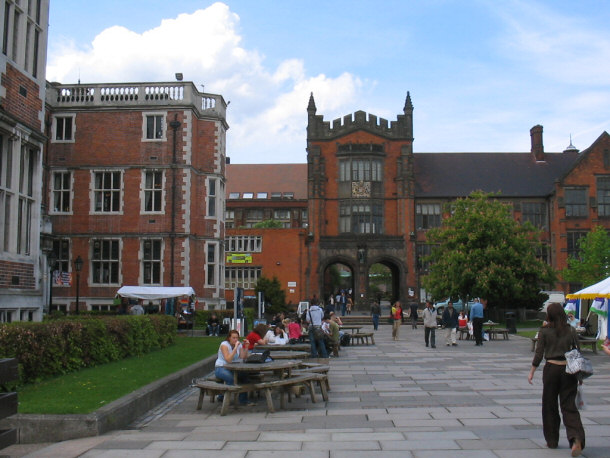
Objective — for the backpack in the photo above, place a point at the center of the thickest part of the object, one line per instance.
(345, 340)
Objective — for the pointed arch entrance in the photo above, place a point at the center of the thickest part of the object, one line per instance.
(383, 281)
(338, 276)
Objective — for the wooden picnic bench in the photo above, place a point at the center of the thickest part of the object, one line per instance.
(230, 392)
(493, 333)
(464, 331)
(588, 341)
(362, 338)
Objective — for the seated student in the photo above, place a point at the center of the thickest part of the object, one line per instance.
(276, 336)
(295, 330)
(462, 320)
(213, 325)
(333, 333)
(257, 336)
(231, 351)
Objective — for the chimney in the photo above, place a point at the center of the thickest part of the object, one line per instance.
(537, 146)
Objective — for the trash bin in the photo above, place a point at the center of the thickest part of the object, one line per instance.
(511, 322)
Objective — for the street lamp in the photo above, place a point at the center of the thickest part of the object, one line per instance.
(78, 265)
(52, 260)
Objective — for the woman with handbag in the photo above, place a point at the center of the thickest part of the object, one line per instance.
(555, 339)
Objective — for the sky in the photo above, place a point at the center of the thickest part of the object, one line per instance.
(480, 73)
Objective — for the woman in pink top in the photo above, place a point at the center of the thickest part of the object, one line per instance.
(294, 330)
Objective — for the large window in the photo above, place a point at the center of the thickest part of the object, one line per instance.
(535, 213)
(105, 262)
(352, 169)
(61, 250)
(574, 243)
(64, 128)
(254, 216)
(107, 192)
(212, 263)
(154, 126)
(361, 217)
(27, 168)
(153, 191)
(151, 261)
(242, 277)
(244, 243)
(427, 216)
(6, 193)
(61, 192)
(603, 196)
(212, 197)
(576, 202)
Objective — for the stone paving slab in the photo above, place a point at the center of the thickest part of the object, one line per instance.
(393, 399)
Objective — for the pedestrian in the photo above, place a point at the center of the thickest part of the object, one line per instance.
(316, 338)
(450, 323)
(413, 306)
(396, 319)
(349, 305)
(375, 313)
(430, 324)
(343, 303)
(555, 339)
(476, 318)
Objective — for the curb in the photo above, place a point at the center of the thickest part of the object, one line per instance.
(119, 414)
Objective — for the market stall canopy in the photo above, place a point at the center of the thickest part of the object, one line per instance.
(155, 292)
(601, 289)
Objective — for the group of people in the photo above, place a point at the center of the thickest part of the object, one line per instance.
(341, 300)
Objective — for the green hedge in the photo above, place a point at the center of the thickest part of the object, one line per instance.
(61, 346)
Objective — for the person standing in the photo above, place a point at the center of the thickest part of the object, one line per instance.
(430, 324)
(450, 323)
(555, 339)
(476, 317)
(316, 339)
(413, 306)
(396, 319)
(343, 303)
(375, 313)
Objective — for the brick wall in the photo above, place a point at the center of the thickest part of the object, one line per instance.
(26, 108)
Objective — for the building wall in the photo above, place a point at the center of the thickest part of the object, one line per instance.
(23, 272)
(163, 217)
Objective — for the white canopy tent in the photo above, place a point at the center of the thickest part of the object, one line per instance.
(599, 293)
(155, 292)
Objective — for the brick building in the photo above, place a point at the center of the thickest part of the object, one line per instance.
(23, 267)
(136, 186)
(371, 200)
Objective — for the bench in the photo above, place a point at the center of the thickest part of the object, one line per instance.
(230, 392)
(494, 333)
(362, 338)
(463, 331)
(592, 341)
(320, 378)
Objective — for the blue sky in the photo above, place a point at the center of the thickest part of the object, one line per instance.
(481, 73)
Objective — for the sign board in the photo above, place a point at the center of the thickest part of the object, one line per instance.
(292, 284)
(239, 258)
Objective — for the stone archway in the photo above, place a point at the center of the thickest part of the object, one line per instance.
(337, 275)
(384, 280)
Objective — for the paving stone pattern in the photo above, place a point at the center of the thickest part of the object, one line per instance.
(391, 399)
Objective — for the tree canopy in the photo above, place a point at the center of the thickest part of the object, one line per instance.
(269, 223)
(593, 263)
(274, 294)
(481, 251)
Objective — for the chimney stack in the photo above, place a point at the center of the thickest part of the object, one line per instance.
(537, 146)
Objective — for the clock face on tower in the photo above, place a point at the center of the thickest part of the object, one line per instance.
(361, 189)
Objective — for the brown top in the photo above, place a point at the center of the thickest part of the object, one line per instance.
(552, 347)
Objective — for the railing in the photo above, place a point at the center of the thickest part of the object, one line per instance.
(138, 94)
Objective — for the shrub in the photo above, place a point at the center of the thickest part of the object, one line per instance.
(61, 346)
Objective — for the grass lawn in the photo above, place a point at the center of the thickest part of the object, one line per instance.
(529, 333)
(87, 390)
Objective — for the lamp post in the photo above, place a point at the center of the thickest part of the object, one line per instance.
(78, 265)
(52, 260)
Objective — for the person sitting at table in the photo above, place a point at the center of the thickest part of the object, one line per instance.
(276, 336)
(295, 330)
(572, 321)
(333, 334)
(231, 351)
(462, 320)
(257, 336)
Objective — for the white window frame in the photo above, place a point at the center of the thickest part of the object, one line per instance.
(56, 116)
(94, 191)
(212, 200)
(144, 190)
(62, 192)
(212, 251)
(163, 136)
(103, 260)
(152, 261)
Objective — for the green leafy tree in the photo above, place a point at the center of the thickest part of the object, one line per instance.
(274, 294)
(593, 263)
(269, 223)
(483, 252)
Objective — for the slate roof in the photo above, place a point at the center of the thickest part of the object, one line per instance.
(446, 175)
(267, 178)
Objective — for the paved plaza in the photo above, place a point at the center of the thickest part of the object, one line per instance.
(391, 399)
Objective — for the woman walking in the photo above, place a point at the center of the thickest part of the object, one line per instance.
(555, 339)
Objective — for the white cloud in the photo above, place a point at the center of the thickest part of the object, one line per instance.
(268, 110)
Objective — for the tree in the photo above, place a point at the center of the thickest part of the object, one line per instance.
(593, 263)
(269, 223)
(274, 294)
(483, 252)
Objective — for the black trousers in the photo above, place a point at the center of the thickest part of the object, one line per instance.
(477, 330)
(430, 336)
(559, 384)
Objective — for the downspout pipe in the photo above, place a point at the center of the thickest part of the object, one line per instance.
(175, 124)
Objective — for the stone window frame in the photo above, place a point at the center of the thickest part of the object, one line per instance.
(162, 137)
(112, 262)
(94, 191)
(212, 257)
(347, 215)
(603, 196)
(572, 204)
(63, 193)
(242, 276)
(424, 219)
(537, 216)
(244, 244)
(54, 127)
(152, 261)
(144, 190)
(212, 198)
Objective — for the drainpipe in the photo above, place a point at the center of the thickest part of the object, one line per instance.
(175, 124)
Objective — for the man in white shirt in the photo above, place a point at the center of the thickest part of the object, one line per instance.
(314, 317)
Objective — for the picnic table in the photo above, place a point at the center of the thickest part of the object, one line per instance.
(350, 327)
(290, 355)
(287, 347)
(280, 369)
